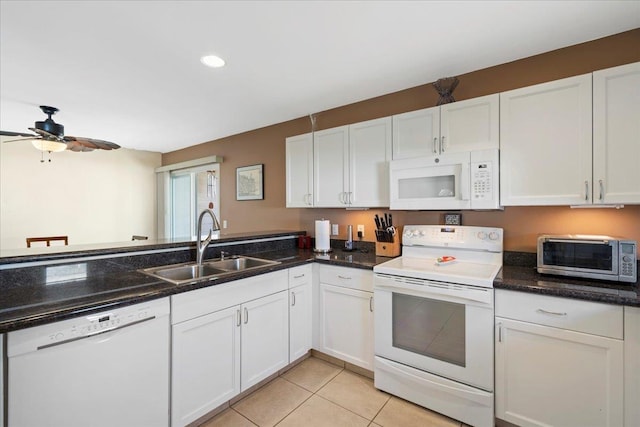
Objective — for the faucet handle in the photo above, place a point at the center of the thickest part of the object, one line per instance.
(224, 254)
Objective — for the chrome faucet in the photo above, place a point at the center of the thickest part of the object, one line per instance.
(224, 255)
(201, 245)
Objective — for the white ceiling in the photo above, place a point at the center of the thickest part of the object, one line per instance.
(130, 71)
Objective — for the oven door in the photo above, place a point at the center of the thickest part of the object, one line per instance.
(440, 182)
(442, 328)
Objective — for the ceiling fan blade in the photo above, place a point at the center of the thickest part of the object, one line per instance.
(92, 143)
(77, 147)
(25, 138)
(46, 135)
(6, 133)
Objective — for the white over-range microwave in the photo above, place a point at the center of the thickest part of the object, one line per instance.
(464, 180)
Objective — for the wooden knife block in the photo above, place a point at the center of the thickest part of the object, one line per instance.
(390, 249)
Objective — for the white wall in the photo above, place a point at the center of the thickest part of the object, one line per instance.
(92, 197)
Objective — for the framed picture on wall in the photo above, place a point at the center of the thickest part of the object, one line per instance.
(250, 183)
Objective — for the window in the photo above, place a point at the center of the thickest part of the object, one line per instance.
(184, 191)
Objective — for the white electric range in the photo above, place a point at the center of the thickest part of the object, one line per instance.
(434, 317)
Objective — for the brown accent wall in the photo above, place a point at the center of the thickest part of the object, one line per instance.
(521, 224)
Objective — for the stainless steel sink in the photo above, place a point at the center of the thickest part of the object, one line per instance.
(240, 263)
(190, 273)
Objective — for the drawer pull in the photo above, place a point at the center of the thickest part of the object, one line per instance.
(344, 277)
(298, 277)
(553, 313)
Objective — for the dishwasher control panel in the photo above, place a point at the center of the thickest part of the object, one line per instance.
(41, 337)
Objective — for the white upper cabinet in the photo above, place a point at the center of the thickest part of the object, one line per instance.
(369, 156)
(545, 143)
(299, 170)
(616, 135)
(351, 165)
(472, 124)
(416, 133)
(331, 167)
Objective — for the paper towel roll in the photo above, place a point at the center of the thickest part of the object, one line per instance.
(322, 236)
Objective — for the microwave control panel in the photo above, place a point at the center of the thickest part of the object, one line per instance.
(482, 181)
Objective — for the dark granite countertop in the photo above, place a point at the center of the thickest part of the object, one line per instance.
(24, 255)
(40, 294)
(519, 274)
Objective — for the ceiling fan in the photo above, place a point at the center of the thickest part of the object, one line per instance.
(49, 136)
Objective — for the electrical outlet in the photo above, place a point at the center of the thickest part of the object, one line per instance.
(224, 223)
(334, 229)
(360, 230)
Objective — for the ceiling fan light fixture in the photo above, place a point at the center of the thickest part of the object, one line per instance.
(51, 146)
(212, 61)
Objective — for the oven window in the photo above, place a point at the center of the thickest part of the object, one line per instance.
(579, 255)
(429, 327)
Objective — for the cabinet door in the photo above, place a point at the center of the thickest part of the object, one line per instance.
(472, 124)
(265, 338)
(346, 324)
(553, 377)
(299, 169)
(369, 156)
(299, 321)
(545, 143)
(616, 135)
(631, 366)
(416, 133)
(205, 364)
(330, 167)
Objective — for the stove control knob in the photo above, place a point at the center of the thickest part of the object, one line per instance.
(482, 235)
(408, 233)
(421, 233)
(493, 235)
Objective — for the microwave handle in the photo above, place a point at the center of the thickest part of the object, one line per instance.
(465, 179)
(598, 242)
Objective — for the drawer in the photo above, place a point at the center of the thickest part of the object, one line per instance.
(346, 277)
(576, 315)
(300, 275)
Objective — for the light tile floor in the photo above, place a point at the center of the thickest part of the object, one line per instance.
(316, 393)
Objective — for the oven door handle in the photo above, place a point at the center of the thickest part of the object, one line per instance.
(427, 291)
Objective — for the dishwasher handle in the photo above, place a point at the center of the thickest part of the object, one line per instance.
(116, 328)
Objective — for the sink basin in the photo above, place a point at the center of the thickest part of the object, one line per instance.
(186, 272)
(240, 263)
(179, 274)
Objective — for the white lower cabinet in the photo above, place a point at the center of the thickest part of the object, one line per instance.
(300, 309)
(206, 364)
(226, 338)
(632, 366)
(558, 362)
(264, 338)
(346, 314)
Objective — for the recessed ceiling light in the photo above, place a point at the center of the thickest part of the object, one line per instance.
(212, 61)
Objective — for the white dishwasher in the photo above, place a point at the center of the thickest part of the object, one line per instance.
(105, 369)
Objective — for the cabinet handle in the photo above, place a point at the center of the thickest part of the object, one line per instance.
(344, 277)
(586, 191)
(350, 198)
(499, 332)
(342, 197)
(298, 277)
(246, 316)
(293, 299)
(553, 313)
(239, 316)
(435, 142)
(442, 144)
(601, 190)
(371, 304)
